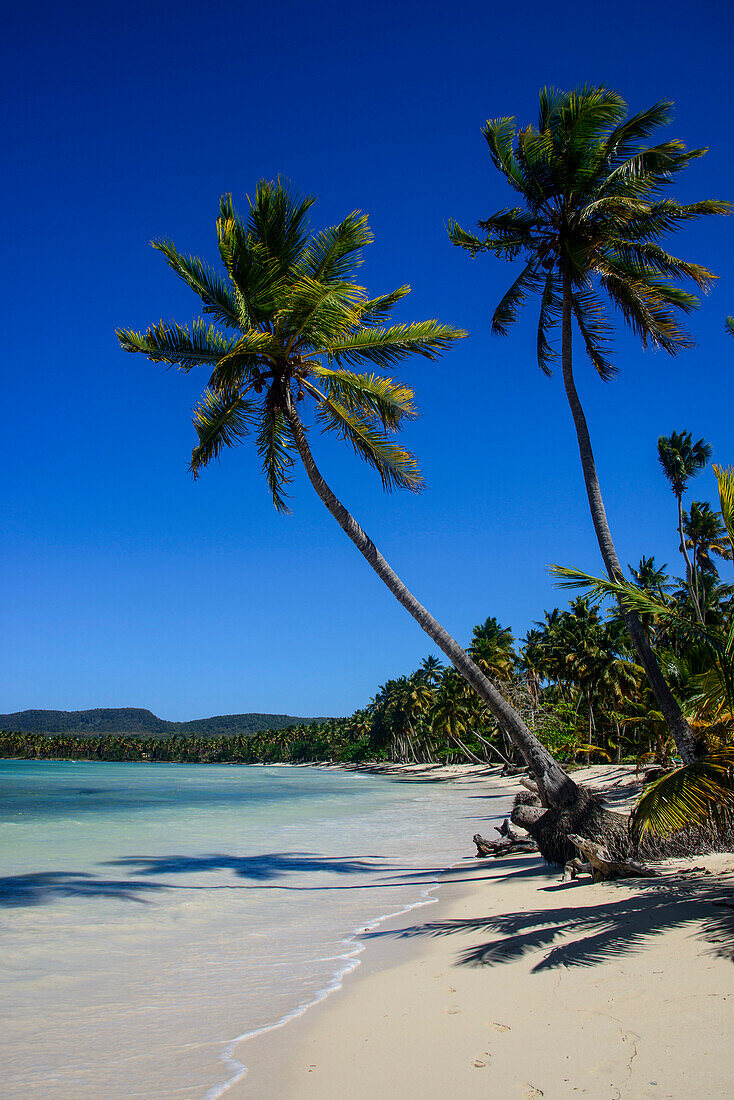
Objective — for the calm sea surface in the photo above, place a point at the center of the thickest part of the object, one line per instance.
(152, 914)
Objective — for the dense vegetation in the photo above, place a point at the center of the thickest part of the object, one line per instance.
(134, 721)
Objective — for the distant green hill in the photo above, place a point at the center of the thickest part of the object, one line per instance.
(123, 721)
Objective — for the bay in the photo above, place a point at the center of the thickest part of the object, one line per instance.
(152, 915)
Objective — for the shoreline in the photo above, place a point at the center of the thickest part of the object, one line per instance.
(612, 991)
(354, 945)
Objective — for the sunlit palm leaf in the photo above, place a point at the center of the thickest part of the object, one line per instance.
(335, 253)
(217, 296)
(276, 449)
(696, 794)
(387, 346)
(725, 479)
(178, 345)
(316, 312)
(397, 467)
(370, 394)
(375, 311)
(221, 420)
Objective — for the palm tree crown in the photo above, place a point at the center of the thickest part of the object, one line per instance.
(681, 458)
(593, 213)
(288, 323)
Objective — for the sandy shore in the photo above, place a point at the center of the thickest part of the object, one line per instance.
(516, 985)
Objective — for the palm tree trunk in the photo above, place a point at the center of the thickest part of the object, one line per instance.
(680, 731)
(467, 752)
(559, 789)
(691, 576)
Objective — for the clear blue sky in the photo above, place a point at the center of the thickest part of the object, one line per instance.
(124, 583)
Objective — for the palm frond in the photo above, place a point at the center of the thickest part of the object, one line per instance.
(642, 300)
(221, 419)
(647, 255)
(463, 239)
(624, 139)
(178, 345)
(334, 253)
(375, 311)
(385, 346)
(508, 310)
(595, 330)
(397, 467)
(216, 294)
(278, 222)
(698, 793)
(666, 215)
(316, 312)
(276, 448)
(499, 134)
(725, 481)
(369, 394)
(549, 316)
(253, 351)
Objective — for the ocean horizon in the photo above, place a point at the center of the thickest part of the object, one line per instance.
(155, 915)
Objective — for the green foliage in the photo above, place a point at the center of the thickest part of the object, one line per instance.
(591, 218)
(124, 721)
(303, 330)
(694, 794)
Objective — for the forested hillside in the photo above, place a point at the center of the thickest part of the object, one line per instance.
(126, 721)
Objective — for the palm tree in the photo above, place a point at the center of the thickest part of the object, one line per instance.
(292, 325)
(681, 459)
(590, 224)
(492, 649)
(706, 535)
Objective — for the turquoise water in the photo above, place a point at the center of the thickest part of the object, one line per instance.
(152, 915)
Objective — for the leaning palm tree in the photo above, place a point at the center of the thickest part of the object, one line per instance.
(589, 226)
(289, 325)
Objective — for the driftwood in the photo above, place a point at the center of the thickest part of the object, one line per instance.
(529, 786)
(510, 841)
(603, 867)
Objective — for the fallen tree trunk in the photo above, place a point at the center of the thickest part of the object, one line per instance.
(550, 827)
(603, 867)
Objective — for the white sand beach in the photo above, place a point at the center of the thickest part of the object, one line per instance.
(517, 985)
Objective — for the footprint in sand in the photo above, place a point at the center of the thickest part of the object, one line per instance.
(452, 1009)
(531, 1093)
(478, 1063)
(504, 1027)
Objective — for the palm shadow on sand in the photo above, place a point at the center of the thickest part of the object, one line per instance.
(589, 935)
